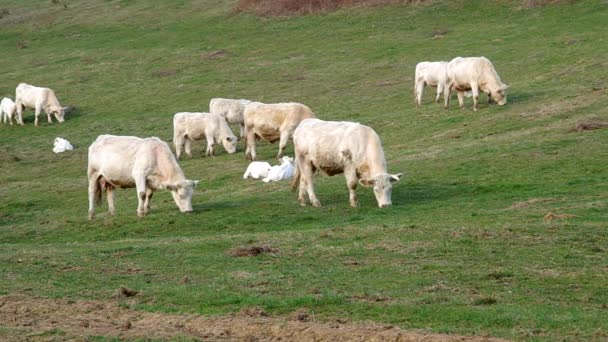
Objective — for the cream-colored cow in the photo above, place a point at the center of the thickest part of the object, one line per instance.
(474, 74)
(231, 110)
(131, 162)
(40, 99)
(188, 127)
(434, 74)
(272, 122)
(341, 147)
(7, 110)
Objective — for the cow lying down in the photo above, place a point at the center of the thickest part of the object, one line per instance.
(130, 162)
(269, 173)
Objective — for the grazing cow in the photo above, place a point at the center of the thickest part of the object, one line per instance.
(39, 99)
(474, 74)
(257, 170)
(145, 164)
(230, 110)
(341, 147)
(272, 122)
(7, 110)
(281, 172)
(188, 127)
(433, 74)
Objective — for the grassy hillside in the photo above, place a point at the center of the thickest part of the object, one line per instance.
(465, 248)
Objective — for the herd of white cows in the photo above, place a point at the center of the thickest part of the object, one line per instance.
(333, 147)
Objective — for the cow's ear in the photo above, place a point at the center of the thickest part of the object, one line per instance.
(366, 182)
(505, 87)
(194, 183)
(396, 178)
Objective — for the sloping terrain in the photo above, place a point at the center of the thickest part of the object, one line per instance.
(498, 228)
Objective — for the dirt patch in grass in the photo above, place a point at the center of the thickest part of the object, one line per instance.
(525, 204)
(27, 316)
(247, 251)
(553, 217)
(214, 54)
(282, 8)
(582, 126)
(165, 73)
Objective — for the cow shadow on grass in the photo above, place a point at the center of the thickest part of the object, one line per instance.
(422, 193)
(72, 113)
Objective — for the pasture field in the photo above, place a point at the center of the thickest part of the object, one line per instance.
(499, 227)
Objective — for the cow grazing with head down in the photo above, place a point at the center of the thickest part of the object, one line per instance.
(7, 110)
(434, 74)
(40, 99)
(474, 74)
(341, 147)
(188, 127)
(131, 162)
(272, 122)
(231, 110)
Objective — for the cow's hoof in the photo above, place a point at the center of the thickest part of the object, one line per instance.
(91, 216)
(302, 203)
(316, 204)
(141, 214)
(354, 204)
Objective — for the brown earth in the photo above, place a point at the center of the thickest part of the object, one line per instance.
(40, 319)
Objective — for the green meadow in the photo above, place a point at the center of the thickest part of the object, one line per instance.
(499, 226)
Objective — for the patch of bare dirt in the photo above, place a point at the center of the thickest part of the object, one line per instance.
(123, 292)
(34, 319)
(525, 204)
(214, 54)
(165, 73)
(582, 126)
(252, 251)
(553, 217)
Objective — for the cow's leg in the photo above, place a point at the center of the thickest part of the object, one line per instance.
(210, 143)
(10, 117)
(242, 130)
(475, 91)
(3, 116)
(37, 110)
(48, 116)
(460, 98)
(307, 175)
(250, 141)
(110, 196)
(351, 181)
(140, 186)
(188, 146)
(149, 194)
(440, 86)
(283, 143)
(446, 95)
(419, 92)
(179, 143)
(93, 190)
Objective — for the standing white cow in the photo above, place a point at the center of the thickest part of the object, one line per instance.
(145, 164)
(474, 74)
(341, 147)
(39, 99)
(434, 74)
(188, 127)
(272, 122)
(7, 110)
(231, 110)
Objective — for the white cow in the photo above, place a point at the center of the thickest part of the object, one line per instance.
(281, 172)
(272, 122)
(433, 74)
(39, 99)
(7, 110)
(474, 74)
(231, 110)
(145, 164)
(188, 127)
(257, 170)
(341, 147)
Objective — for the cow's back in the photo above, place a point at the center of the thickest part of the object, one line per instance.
(192, 124)
(114, 156)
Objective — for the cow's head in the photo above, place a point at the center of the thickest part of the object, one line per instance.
(383, 186)
(182, 194)
(60, 113)
(229, 143)
(500, 95)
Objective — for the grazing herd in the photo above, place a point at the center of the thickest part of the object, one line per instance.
(330, 146)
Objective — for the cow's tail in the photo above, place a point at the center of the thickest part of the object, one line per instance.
(295, 182)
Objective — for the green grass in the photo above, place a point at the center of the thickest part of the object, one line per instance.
(451, 255)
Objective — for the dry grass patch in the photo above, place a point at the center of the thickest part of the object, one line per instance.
(286, 8)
